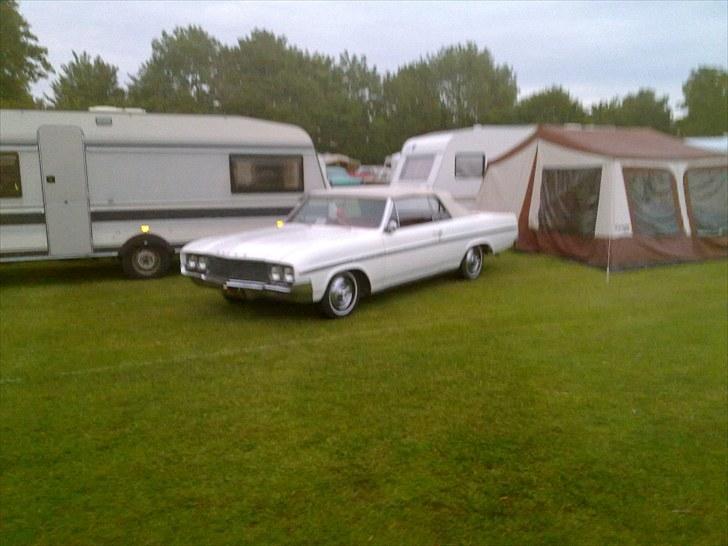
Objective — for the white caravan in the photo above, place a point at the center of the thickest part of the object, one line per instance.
(113, 182)
(455, 161)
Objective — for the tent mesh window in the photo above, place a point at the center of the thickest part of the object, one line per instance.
(652, 202)
(266, 173)
(570, 200)
(10, 175)
(707, 192)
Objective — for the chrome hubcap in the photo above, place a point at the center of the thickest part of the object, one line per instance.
(473, 260)
(146, 259)
(342, 293)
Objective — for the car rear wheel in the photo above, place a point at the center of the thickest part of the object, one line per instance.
(341, 296)
(472, 263)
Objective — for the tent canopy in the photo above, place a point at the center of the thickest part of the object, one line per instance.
(614, 197)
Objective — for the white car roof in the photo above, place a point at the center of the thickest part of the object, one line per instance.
(393, 191)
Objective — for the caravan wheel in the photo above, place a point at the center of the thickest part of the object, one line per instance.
(145, 262)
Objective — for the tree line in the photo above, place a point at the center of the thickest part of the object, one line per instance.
(345, 104)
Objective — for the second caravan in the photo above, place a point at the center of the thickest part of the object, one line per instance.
(455, 161)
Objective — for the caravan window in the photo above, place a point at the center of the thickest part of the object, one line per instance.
(469, 165)
(417, 168)
(10, 175)
(652, 198)
(707, 195)
(266, 173)
(569, 200)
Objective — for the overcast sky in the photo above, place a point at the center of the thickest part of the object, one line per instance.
(596, 50)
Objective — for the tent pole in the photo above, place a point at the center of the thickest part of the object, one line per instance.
(609, 254)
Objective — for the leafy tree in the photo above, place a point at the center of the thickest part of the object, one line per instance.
(22, 60)
(643, 108)
(553, 105)
(84, 82)
(472, 88)
(361, 118)
(457, 87)
(412, 105)
(180, 75)
(263, 76)
(706, 100)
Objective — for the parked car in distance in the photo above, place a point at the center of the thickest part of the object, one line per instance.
(373, 174)
(338, 176)
(339, 245)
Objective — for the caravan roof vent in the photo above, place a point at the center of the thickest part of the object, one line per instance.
(117, 110)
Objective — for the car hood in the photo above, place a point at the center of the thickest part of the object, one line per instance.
(294, 244)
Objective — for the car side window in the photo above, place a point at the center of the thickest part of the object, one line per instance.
(413, 210)
(439, 212)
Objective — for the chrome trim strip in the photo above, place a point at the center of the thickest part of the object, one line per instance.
(255, 285)
(415, 246)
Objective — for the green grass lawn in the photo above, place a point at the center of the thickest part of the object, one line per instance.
(536, 405)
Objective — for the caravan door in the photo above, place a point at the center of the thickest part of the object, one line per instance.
(65, 190)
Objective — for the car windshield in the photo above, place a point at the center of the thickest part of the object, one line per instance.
(342, 211)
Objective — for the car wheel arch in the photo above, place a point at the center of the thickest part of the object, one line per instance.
(359, 272)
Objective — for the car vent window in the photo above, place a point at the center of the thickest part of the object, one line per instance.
(266, 173)
(439, 212)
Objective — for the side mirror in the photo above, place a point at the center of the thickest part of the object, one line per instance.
(392, 226)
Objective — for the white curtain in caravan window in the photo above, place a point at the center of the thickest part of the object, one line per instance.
(570, 200)
(708, 193)
(651, 200)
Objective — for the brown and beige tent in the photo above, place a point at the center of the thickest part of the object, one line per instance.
(612, 197)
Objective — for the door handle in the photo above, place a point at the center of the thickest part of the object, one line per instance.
(50, 179)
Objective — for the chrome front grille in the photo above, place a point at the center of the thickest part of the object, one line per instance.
(243, 270)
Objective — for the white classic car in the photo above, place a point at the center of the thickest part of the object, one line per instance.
(339, 245)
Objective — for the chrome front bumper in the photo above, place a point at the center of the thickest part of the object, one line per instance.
(298, 292)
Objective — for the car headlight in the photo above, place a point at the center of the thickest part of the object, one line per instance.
(202, 263)
(191, 263)
(288, 274)
(276, 273)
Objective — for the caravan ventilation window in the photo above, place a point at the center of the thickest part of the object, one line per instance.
(266, 173)
(469, 165)
(569, 200)
(653, 203)
(10, 175)
(707, 195)
(417, 168)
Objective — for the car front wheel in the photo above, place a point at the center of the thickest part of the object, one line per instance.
(472, 263)
(341, 296)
